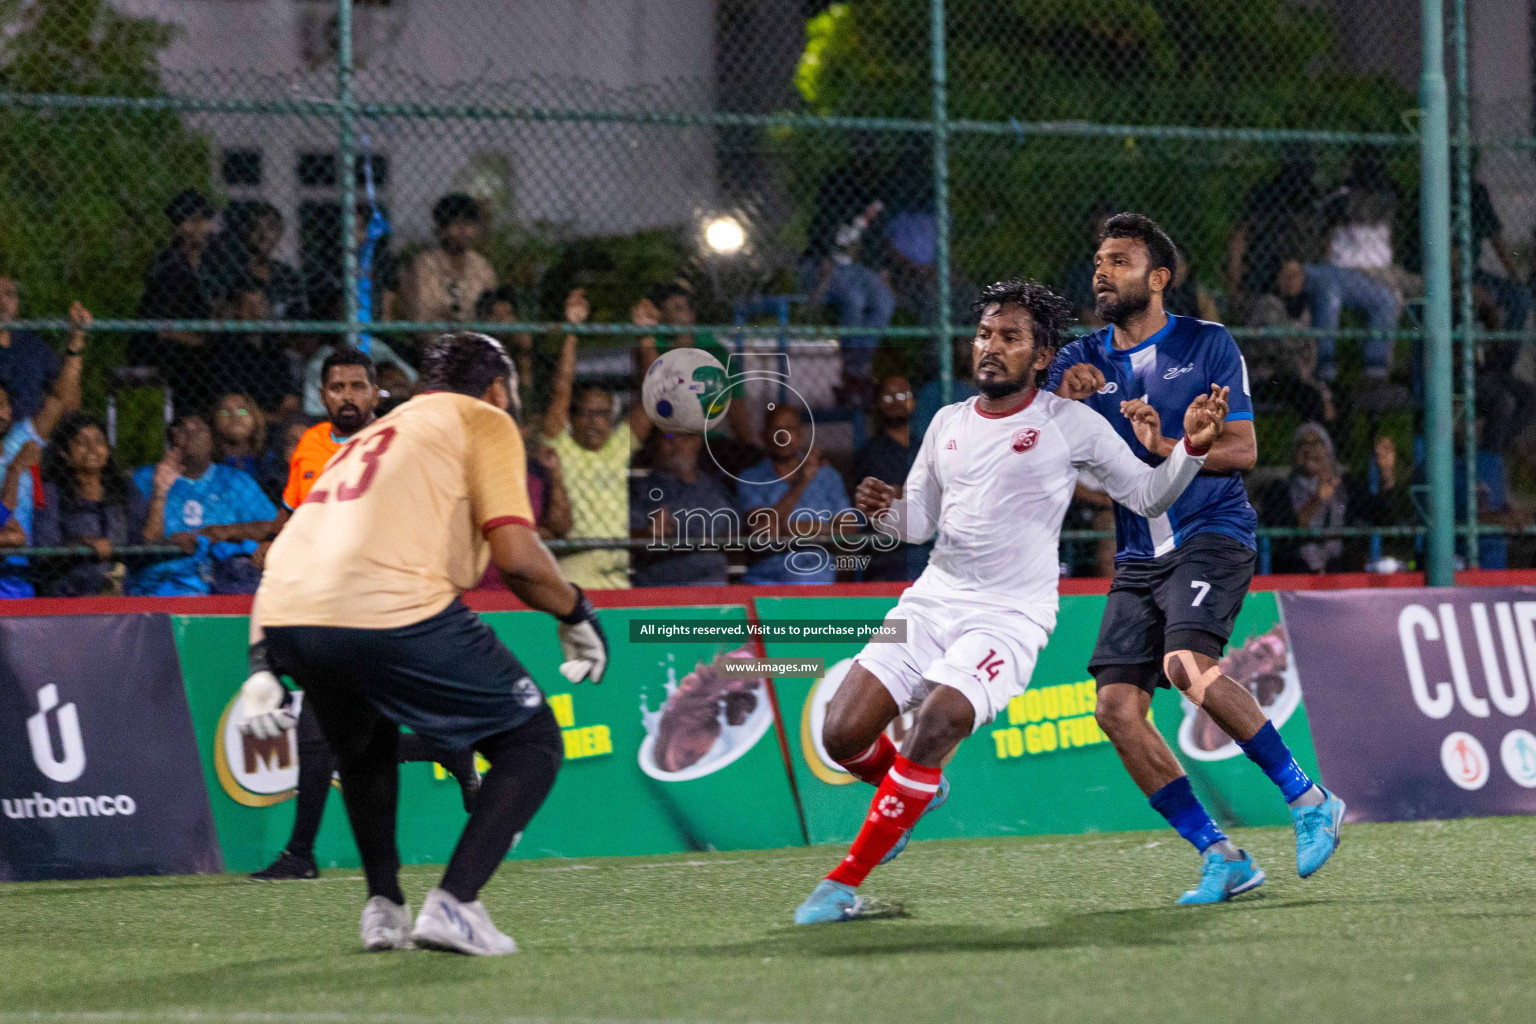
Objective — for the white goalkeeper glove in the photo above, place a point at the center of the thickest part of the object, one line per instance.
(263, 710)
(582, 642)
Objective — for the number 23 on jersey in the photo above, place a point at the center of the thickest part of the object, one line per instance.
(350, 489)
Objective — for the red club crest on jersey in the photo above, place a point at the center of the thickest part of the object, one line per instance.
(1024, 440)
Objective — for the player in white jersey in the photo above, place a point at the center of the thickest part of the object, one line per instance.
(992, 479)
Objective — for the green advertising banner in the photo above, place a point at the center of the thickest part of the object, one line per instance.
(1044, 766)
(658, 758)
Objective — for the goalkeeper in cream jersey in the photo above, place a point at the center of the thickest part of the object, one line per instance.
(360, 605)
(991, 483)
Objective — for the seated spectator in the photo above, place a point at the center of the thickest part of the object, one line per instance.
(254, 363)
(1494, 507)
(1360, 272)
(888, 457)
(177, 286)
(672, 306)
(1283, 218)
(594, 456)
(1288, 365)
(28, 366)
(216, 515)
(445, 281)
(680, 504)
(85, 502)
(239, 434)
(242, 257)
(500, 306)
(1186, 296)
(791, 498)
(836, 268)
(1319, 495)
(21, 452)
(273, 471)
(1509, 292)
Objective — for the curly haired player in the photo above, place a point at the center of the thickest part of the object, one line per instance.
(992, 479)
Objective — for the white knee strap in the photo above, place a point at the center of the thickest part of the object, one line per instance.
(1199, 681)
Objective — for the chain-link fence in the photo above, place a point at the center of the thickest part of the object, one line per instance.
(811, 192)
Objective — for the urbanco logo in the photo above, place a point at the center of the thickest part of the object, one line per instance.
(72, 764)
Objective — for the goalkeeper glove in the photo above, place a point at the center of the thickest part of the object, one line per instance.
(263, 706)
(582, 642)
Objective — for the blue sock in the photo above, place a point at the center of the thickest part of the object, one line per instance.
(1177, 802)
(1267, 750)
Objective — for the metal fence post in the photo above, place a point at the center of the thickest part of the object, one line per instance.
(1469, 260)
(1435, 198)
(941, 199)
(346, 159)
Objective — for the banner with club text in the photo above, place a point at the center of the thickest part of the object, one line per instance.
(98, 768)
(1044, 766)
(1423, 701)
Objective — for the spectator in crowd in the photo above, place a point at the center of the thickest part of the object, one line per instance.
(1320, 495)
(177, 286)
(1287, 366)
(1078, 282)
(888, 456)
(1282, 219)
(28, 366)
(1186, 296)
(273, 470)
(500, 306)
(215, 514)
(581, 426)
(792, 498)
(672, 306)
(85, 502)
(1360, 272)
(1508, 291)
(22, 450)
(930, 397)
(839, 275)
(911, 259)
(384, 274)
(680, 504)
(241, 257)
(445, 281)
(253, 363)
(239, 434)
(1494, 507)
(374, 346)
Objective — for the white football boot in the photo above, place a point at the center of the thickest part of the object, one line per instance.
(445, 923)
(386, 925)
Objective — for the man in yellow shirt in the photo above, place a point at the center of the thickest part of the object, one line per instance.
(594, 459)
(361, 605)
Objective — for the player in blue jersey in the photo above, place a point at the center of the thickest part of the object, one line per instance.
(1180, 578)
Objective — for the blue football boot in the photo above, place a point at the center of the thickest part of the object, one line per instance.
(830, 901)
(1317, 833)
(1221, 879)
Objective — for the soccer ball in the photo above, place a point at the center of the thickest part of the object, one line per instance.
(684, 391)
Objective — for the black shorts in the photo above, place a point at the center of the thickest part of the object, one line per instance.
(1191, 595)
(449, 679)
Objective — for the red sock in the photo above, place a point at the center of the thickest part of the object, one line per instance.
(899, 802)
(872, 764)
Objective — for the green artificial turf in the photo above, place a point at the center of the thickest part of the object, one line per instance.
(1421, 921)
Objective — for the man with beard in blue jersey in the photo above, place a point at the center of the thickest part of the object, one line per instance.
(1180, 578)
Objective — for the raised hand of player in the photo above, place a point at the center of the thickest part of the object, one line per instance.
(1147, 424)
(1206, 418)
(873, 496)
(1080, 381)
